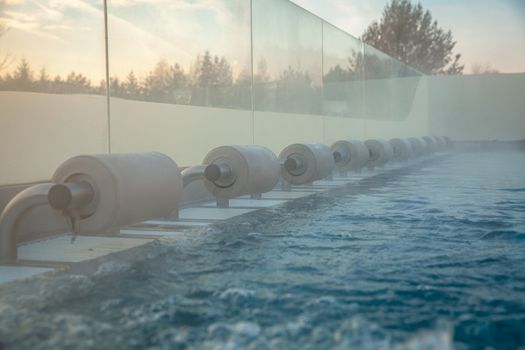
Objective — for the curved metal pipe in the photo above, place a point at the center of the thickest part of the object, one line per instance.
(221, 174)
(193, 173)
(20, 204)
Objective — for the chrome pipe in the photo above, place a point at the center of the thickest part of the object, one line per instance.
(221, 174)
(193, 173)
(16, 208)
(216, 171)
(71, 195)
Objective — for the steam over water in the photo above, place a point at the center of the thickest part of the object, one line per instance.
(430, 256)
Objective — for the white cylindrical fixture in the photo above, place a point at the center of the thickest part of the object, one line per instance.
(128, 188)
(440, 142)
(252, 170)
(402, 149)
(448, 142)
(418, 146)
(430, 144)
(380, 152)
(306, 163)
(350, 154)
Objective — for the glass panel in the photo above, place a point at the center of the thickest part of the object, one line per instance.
(181, 52)
(343, 73)
(378, 69)
(52, 88)
(287, 55)
(405, 81)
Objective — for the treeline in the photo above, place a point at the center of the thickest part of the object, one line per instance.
(209, 82)
(24, 78)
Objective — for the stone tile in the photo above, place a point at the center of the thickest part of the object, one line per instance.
(153, 233)
(61, 249)
(248, 203)
(283, 195)
(176, 223)
(204, 214)
(312, 188)
(330, 183)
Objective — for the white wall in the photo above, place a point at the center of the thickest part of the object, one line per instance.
(39, 131)
(185, 133)
(478, 107)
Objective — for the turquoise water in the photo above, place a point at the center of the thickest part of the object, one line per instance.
(431, 256)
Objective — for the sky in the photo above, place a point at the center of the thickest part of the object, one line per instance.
(66, 35)
(488, 32)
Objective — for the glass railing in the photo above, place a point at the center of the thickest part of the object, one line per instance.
(53, 102)
(248, 56)
(267, 55)
(343, 73)
(288, 56)
(181, 52)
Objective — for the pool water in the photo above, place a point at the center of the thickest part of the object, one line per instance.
(430, 256)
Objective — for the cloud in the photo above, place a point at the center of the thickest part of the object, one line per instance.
(46, 19)
(11, 2)
(128, 3)
(219, 8)
(26, 22)
(350, 16)
(177, 31)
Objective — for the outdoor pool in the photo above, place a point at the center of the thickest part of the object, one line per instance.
(427, 256)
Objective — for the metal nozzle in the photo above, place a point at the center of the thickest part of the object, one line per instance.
(220, 173)
(337, 156)
(72, 195)
(295, 165)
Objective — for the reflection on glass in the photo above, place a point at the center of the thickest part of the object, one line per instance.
(405, 81)
(52, 47)
(182, 52)
(343, 73)
(52, 86)
(377, 87)
(194, 53)
(287, 55)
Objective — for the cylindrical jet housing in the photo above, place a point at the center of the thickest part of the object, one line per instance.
(440, 142)
(350, 155)
(448, 141)
(418, 146)
(240, 170)
(306, 163)
(127, 188)
(402, 149)
(430, 144)
(381, 152)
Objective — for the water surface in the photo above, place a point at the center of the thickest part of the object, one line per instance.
(429, 256)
